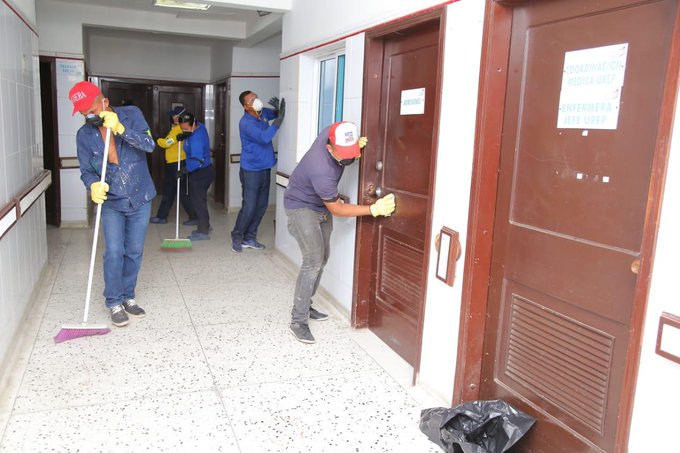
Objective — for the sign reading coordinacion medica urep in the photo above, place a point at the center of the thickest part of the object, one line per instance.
(591, 87)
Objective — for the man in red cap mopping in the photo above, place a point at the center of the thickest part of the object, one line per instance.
(311, 200)
(125, 196)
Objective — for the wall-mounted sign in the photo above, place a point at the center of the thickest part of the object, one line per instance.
(592, 80)
(412, 102)
(70, 68)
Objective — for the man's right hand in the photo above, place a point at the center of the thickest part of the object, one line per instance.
(383, 206)
(183, 136)
(282, 112)
(98, 191)
(274, 102)
(181, 173)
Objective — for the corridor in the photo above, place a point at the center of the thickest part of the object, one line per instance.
(212, 367)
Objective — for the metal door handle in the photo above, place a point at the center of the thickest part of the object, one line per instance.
(378, 191)
(635, 266)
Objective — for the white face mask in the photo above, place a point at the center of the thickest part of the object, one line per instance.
(257, 105)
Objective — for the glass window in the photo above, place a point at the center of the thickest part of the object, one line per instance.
(331, 90)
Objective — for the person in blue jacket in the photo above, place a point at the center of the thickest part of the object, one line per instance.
(201, 171)
(257, 160)
(126, 194)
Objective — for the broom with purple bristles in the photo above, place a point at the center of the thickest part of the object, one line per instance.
(84, 329)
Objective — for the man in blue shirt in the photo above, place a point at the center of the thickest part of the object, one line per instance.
(257, 159)
(201, 171)
(311, 200)
(125, 196)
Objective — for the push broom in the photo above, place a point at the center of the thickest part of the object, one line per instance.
(84, 329)
(177, 243)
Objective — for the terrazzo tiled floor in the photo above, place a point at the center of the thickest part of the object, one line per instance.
(212, 368)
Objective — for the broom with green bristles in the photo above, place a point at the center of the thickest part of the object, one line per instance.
(177, 243)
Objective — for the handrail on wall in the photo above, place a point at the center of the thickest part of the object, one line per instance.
(19, 205)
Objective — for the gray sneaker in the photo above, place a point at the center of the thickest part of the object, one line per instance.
(133, 309)
(118, 316)
(316, 315)
(302, 333)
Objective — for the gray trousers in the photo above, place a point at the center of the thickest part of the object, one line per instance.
(312, 231)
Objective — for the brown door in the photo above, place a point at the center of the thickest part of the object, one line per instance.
(392, 253)
(570, 214)
(165, 98)
(220, 141)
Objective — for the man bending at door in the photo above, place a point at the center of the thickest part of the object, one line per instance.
(257, 160)
(311, 200)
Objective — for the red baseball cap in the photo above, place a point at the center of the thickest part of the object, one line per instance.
(344, 136)
(83, 95)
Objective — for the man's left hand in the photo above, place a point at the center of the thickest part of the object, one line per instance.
(362, 141)
(112, 122)
(281, 113)
(274, 102)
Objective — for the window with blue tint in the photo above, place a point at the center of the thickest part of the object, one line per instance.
(331, 90)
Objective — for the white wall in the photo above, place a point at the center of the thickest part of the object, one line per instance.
(655, 417)
(462, 48)
(313, 21)
(221, 57)
(297, 134)
(135, 57)
(23, 250)
(262, 59)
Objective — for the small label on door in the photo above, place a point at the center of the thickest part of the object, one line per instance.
(412, 102)
(592, 80)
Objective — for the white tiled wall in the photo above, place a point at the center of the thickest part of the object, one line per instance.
(23, 250)
(73, 192)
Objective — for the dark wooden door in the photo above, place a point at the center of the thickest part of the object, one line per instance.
(575, 171)
(48, 104)
(220, 141)
(165, 97)
(393, 251)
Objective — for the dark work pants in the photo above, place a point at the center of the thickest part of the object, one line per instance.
(170, 192)
(199, 181)
(255, 193)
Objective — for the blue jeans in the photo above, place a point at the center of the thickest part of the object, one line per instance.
(124, 234)
(255, 193)
(312, 231)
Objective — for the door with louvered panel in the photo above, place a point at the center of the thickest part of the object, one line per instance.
(575, 172)
(401, 109)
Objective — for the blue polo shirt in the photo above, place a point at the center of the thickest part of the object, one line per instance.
(130, 184)
(315, 178)
(257, 151)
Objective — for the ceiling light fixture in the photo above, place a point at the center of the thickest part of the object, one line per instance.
(181, 4)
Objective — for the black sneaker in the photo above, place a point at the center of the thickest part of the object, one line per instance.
(252, 244)
(133, 309)
(302, 332)
(118, 316)
(316, 315)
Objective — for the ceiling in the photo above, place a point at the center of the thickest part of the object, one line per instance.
(241, 14)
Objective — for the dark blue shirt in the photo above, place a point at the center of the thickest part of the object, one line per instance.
(315, 178)
(257, 151)
(130, 184)
(197, 149)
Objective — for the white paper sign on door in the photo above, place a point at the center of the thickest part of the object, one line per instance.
(412, 102)
(592, 80)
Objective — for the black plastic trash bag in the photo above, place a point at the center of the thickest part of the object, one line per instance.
(475, 427)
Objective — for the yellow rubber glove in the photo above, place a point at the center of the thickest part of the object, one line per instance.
(112, 122)
(98, 191)
(362, 141)
(383, 206)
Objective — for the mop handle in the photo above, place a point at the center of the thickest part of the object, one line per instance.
(179, 167)
(98, 217)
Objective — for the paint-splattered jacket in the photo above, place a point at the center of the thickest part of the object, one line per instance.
(130, 184)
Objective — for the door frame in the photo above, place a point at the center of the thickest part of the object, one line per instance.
(488, 135)
(373, 55)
